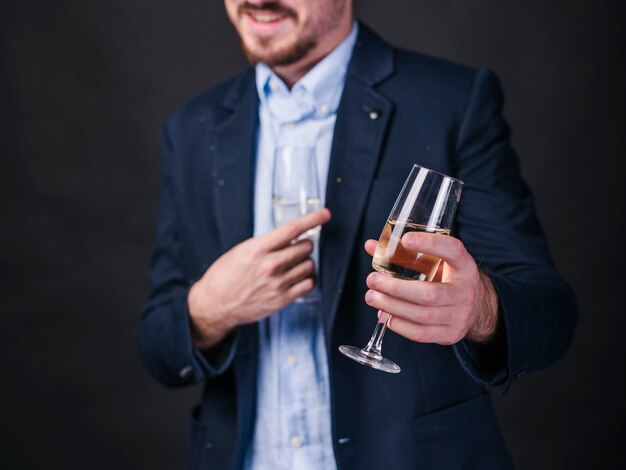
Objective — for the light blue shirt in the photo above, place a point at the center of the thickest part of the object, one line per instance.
(293, 421)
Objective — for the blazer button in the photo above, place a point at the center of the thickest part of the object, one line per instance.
(184, 372)
(374, 114)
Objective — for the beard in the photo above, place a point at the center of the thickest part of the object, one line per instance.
(261, 50)
(286, 55)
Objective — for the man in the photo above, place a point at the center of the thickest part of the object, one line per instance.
(277, 392)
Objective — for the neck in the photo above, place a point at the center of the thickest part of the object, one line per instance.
(291, 73)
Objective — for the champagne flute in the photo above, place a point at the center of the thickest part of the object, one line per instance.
(427, 203)
(295, 192)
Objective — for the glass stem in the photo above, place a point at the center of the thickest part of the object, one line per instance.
(374, 347)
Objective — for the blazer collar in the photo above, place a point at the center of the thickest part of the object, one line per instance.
(372, 59)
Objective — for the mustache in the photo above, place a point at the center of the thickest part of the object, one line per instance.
(273, 7)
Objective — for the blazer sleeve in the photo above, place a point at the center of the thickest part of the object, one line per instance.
(164, 332)
(496, 221)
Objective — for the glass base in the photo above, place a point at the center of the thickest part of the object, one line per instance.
(374, 361)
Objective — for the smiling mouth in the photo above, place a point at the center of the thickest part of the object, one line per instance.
(267, 13)
(266, 17)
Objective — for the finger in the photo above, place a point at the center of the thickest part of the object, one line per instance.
(370, 247)
(436, 334)
(289, 231)
(291, 255)
(277, 262)
(428, 294)
(408, 311)
(299, 289)
(297, 273)
(447, 248)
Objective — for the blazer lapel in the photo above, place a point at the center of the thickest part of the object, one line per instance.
(361, 125)
(233, 163)
(233, 147)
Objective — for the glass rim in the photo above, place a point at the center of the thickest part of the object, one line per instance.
(439, 173)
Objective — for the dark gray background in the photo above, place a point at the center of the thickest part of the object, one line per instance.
(84, 88)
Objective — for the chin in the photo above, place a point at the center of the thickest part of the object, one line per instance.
(270, 55)
(283, 52)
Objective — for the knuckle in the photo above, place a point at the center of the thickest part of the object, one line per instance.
(307, 264)
(420, 335)
(460, 300)
(467, 316)
(431, 295)
(282, 300)
(458, 337)
(292, 230)
(250, 248)
(457, 249)
(446, 340)
(305, 286)
(426, 316)
(276, 285)
(470, 298)
(388, 285)
(461, 321)
(455, 336)
(268, 267)
(305, 249)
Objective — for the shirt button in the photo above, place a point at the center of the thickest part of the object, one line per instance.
(296, 441)
(324, 108)
(273, 85)
(292, 360)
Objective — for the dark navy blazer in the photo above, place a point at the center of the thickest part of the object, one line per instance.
(398, 108)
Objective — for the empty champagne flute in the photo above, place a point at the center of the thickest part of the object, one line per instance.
(426, 203)
(295, 192)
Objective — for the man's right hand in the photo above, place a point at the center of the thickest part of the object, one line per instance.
(252, 280)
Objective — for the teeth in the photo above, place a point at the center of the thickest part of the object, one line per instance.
(266, 17)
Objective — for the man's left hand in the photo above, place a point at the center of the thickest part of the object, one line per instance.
(460, 303)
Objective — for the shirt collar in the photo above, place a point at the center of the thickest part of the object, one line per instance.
(320, 88)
